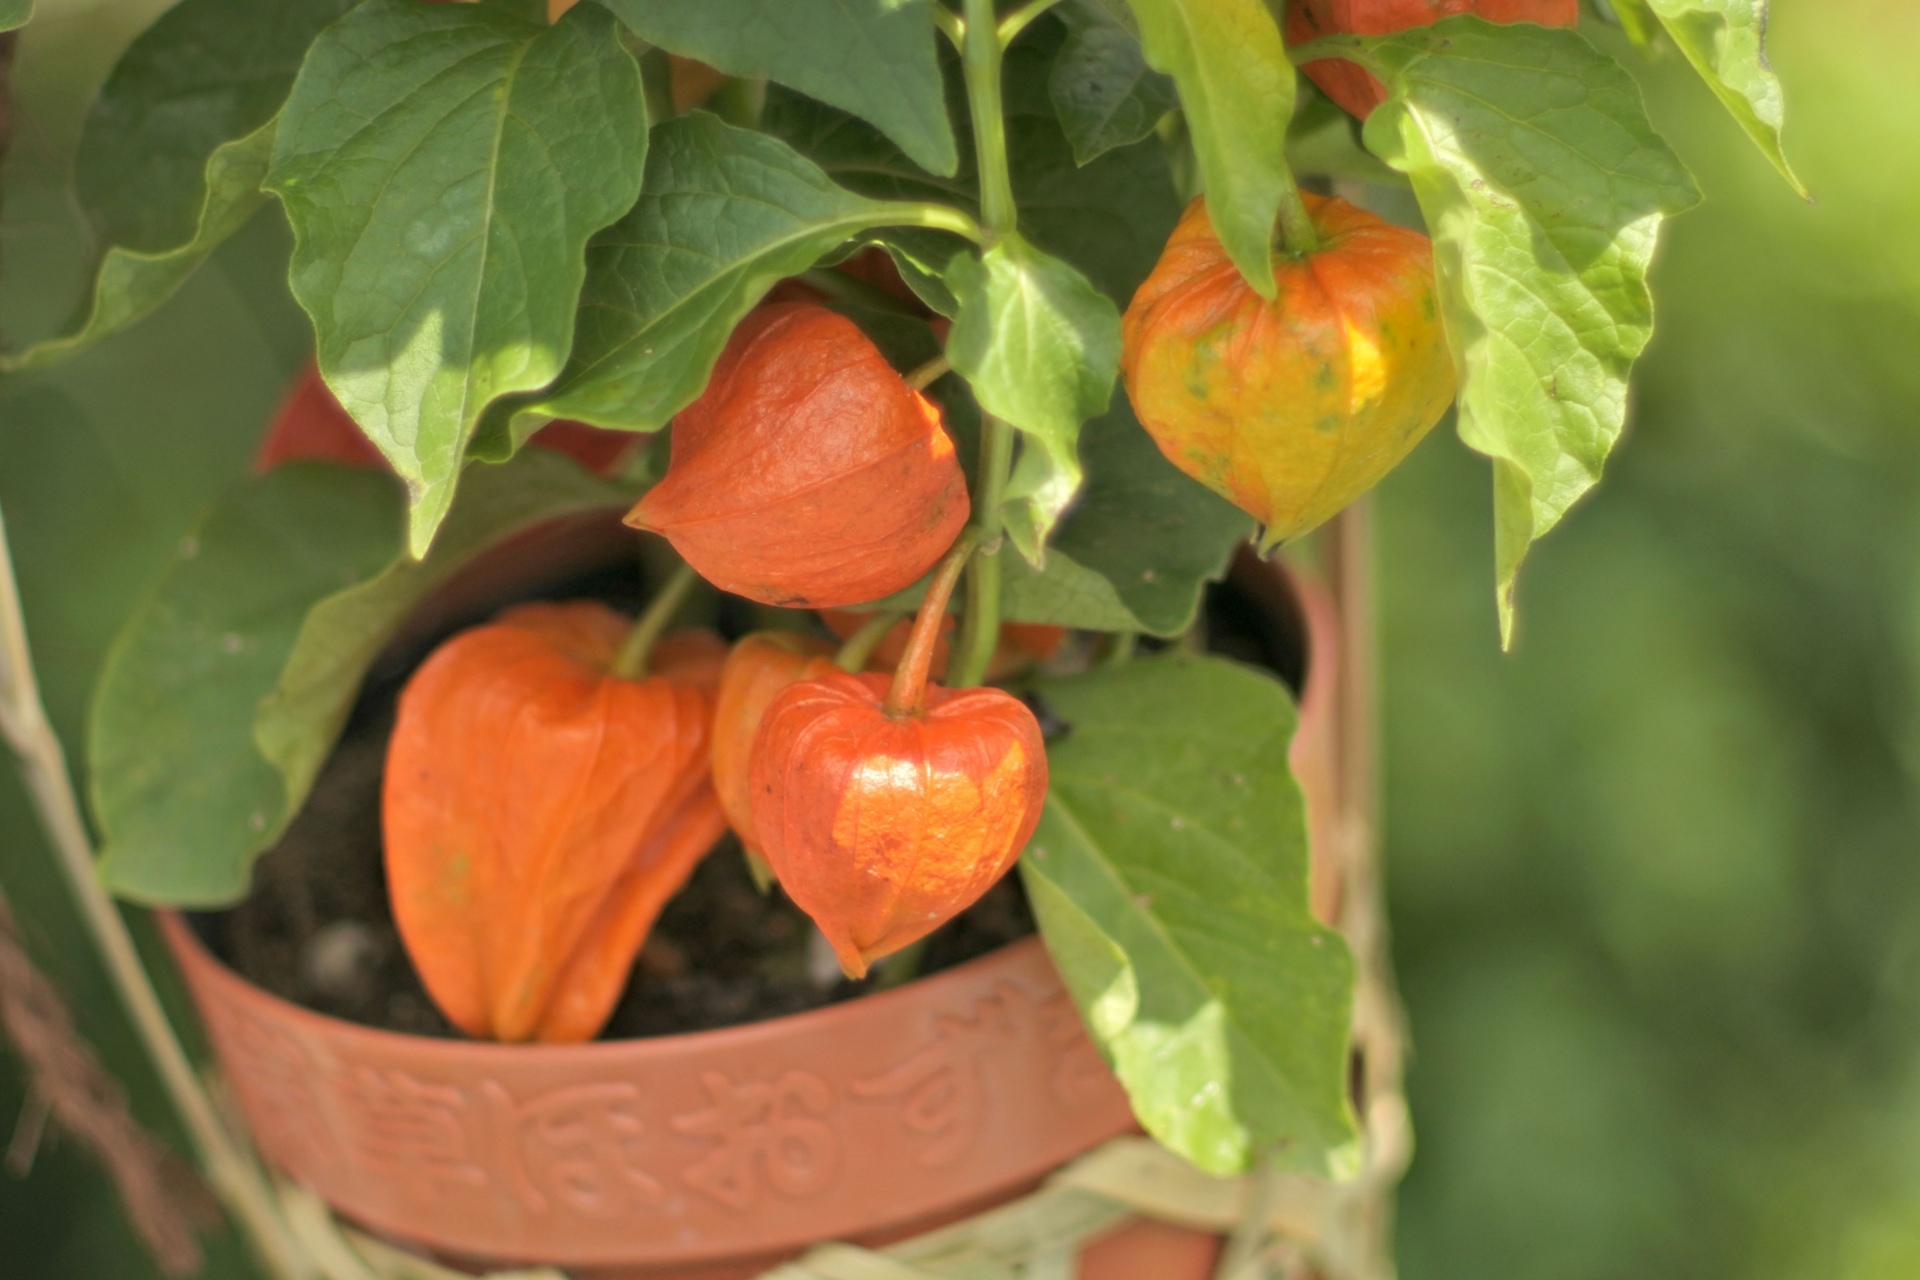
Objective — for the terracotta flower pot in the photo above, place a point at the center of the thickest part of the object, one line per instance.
(711, 1155)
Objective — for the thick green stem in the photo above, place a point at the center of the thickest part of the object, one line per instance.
(1296, 227)
(860, 645)
(1014, 23)
(631, 662)
(980, 54)
(940, 217)
(235, 1177)
(929, 373)
(907, 695)
(980, 632)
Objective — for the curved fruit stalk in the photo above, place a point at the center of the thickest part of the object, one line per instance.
(540, 810)
(1353, 86)
(888, 807)
(758, 668)
(1021, 644)
(808, 473)
(1290, 408)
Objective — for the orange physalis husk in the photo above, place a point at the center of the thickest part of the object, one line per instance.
(539, 811)
(882, 828)
(758, 668)
(1353, 86)
(888, 806)
(1294, 407)
(808, 473)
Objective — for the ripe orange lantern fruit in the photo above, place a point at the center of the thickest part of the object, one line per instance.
(887, 806)
(758, 668)
(808, 473)
(1353, 86)
(1290, 408)
(539, 810)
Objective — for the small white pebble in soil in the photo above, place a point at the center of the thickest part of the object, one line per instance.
(339, 960)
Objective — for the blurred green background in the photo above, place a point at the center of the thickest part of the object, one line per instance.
(1656, 902)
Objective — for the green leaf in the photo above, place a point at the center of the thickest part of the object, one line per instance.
(130, 285)
(1544, 186)
(258, 617)
(178, 95)
(1110, 216)
(1155, 533)
(1102, 89)
(1169, 876)
(1236, 87)
(724, 213)
(443, 167)
(182, 797)
(874, 58)
(1040, 347)
(301, 718)
(1725, 40)
(172, 156)
(15, 14)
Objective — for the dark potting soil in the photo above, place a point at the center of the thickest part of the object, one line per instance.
(317, 928)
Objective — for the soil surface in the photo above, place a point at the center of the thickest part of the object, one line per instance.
(317, 928)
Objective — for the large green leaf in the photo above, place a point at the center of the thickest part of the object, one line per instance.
(172, 156)
(130, 284)
(182, 797)
(1544, 186)
(1236, 87)
(1110, 218)
(724, 213)
(1101, 87)
(206, 73)
(226, 689)
(15, 14)
(1169, 876)
(1040, 347)
(1725, 40)
(443, 167)
(874, 58)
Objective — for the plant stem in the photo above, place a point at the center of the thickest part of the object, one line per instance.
(859, 646)
(631, 662)
(1014, 23)
(980, 54)
(950, 25)
(840, 287)
(1296, 226)
(929, 373)
(656, 82)
(1121, 647)
(23, 717)
(980, 631)
(907, 696)
(940, 217)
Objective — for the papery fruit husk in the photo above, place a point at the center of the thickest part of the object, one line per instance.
(539, 811)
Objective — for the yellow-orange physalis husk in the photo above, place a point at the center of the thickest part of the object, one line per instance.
(1292, 408)
(539, 811)
(808, 473)
(758, 668)
(884, 827)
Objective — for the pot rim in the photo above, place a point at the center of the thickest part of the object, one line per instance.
(181, 933)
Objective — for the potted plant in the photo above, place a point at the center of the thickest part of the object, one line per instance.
(962, 320)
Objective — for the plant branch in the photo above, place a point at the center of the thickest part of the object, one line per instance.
(980, 632)
(950, 24)
(1014, 23)
(940, 217)
(229, 1169)
(929, 373)
(907, 696)
(980, 55)
(860, 645)
(631, 662)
